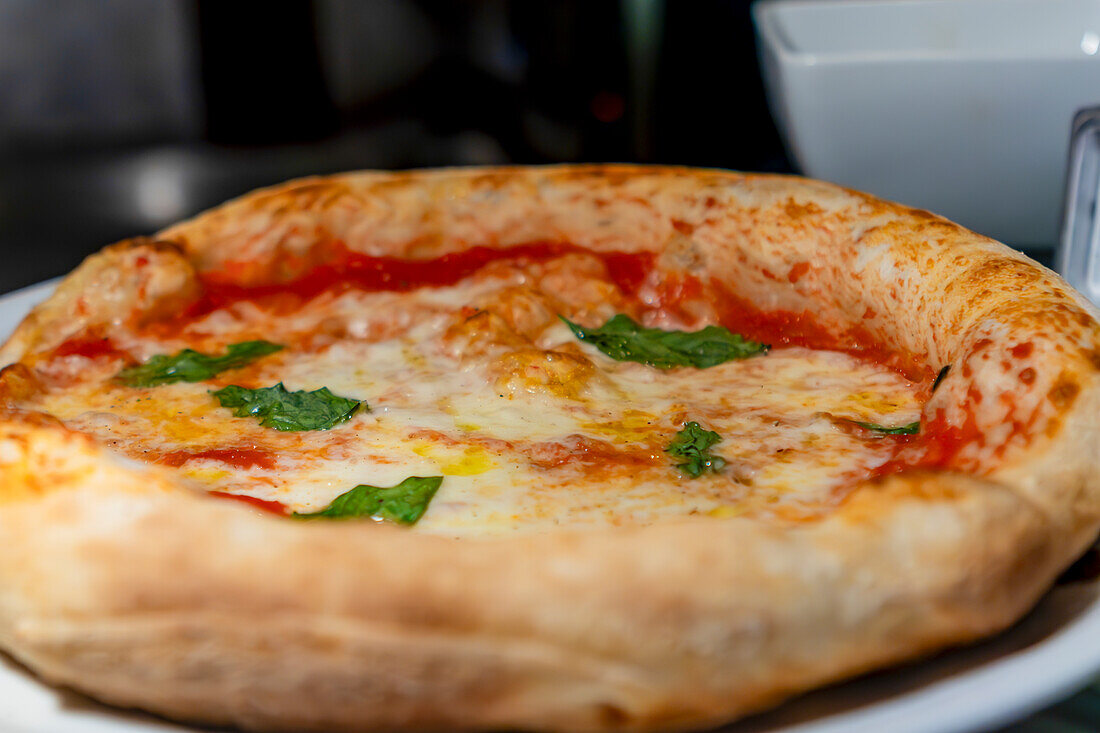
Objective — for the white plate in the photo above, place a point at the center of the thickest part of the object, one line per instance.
(1054, 651)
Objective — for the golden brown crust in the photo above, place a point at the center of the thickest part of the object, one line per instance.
(131, 281)
(179, 604)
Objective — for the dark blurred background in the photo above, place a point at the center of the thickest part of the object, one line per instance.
(118, 117)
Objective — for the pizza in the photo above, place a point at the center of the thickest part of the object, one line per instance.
(570, 448)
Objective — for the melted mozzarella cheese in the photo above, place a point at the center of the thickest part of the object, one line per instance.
(530, 429)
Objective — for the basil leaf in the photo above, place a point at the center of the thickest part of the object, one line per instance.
(193, 366)
(692, 443)
(623, 339)
(939, 377)
(911, 429)
(282, 410)
(402, 504)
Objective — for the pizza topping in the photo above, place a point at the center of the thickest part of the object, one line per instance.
(275, 507)
(939, 376)
(283, 410)
(332, 267)
(633, 456)
(692, 443)
(623, 339)
(482, 383)
(249, 457)
(90, 347)
(807, 329)
(559, 373)
(404, 503)
(910, 429)
(193, 366)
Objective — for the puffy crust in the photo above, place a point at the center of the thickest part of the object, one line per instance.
(132, 281)
(180, 604)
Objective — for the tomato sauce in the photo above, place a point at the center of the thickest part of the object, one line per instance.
(275, 507)
(944, 442)
(237, 457)
(629, 270)
(788, 328)
(937, 446)
(344, 270)
(90, 347)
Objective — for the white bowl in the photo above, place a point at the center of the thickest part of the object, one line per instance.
(962, 107)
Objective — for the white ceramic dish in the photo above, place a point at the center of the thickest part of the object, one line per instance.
(1047, 656)
(962, 107)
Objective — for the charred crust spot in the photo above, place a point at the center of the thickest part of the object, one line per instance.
(923, 215)
(1022, 351)
(980, 344)
(1064, 392)
(1093, 357)
(683, 227)
(1027, 376)
(796, 210)
(797, 271)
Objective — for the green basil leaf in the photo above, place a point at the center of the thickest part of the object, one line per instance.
(692, 443)
(911, 429)
(939, 377)
(623, 339)
(402, 504)
(193, 366)
(277, 408)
